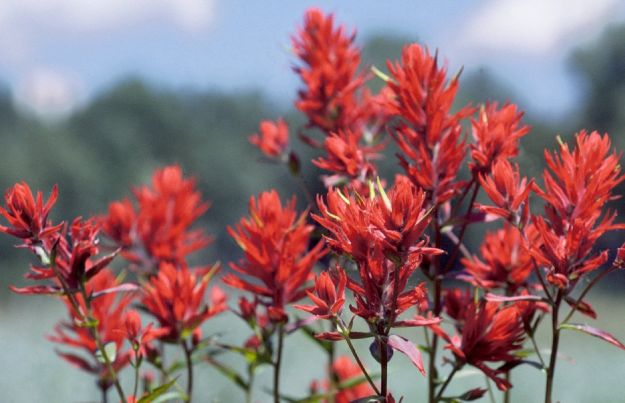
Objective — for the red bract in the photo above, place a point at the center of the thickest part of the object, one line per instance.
(510, 193)
(347, 158)
(506, 262)
(275, 241)
(140, 336)
(28, 216)
(429, 135)
(328, 68)
(273, 139)
(344, 369)
(159, 229)
(68, 261)
(490, 334)
(496, 132)
(579, 184)
(328, 296)
(392, 222)
(109, 312)
(176, 298)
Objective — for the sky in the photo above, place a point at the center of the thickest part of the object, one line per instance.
(55, 55)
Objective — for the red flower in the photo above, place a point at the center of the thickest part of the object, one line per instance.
(159, 230)
(490, 334)
(430, 135)
(176, 298)
(328, 68)
(507, 263)
(27, 216)
(496, 133)
(344, 369)
(456, 302)
(393, 222)
(577, 188)
(137, 335)
(275, 241)
(329, 296)
(346, 157)
(508, 191)
(109, 312)
(273, 139)
(67, 261)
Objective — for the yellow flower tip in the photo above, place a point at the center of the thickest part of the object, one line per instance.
(385, 199)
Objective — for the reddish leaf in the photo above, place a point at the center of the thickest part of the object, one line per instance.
(503, 298)
(593, 331)
(407, 347)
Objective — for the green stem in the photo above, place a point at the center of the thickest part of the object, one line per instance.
(277, 364)
(439, 395)
(346, 337)
(187, 356)
(555, 331)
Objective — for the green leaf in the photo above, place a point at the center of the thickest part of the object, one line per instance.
(159, 392)
(110, 349)
(228, 373)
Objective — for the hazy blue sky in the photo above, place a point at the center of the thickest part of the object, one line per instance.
(55, 54)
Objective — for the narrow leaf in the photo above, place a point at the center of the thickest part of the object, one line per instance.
(593, 331)
(410, 349)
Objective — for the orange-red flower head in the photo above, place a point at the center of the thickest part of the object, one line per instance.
(176, 298)
(275, 241)
(272, 139)
(496, 132)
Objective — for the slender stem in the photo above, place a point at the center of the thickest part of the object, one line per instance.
(555, 331)
(187, 356)
(491, 395)
(135, 389)
(250, 384)
(383, 367)
(104, 394)
(506, 394)
(332, 376)
(432, 372)
(585, 291)
(98, 340)
(463, 229)
(540, 357)
(357, 358)
(439, 395)
(278, 362)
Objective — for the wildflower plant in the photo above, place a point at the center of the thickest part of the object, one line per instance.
(369, 256)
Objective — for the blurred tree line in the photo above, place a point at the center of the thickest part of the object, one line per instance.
(115, 142)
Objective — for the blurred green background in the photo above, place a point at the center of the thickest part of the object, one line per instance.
(116, 138)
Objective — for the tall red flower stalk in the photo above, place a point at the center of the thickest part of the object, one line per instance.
(278, 259)
(578, 184)
(383, 234)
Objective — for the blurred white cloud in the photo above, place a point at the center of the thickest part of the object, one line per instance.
(50, 93)
(534, 26)
(27, 26)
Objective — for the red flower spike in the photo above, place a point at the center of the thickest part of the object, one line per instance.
(508, 191)
(490, 334)
(275, 241)
(496, 132)
(328, 67)
(329, 295)
(26, 215)
(394, 222)
(109, 312)
(507, 263)
(430, 136)
(273, 139)
(159, 229)
(176, 299)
